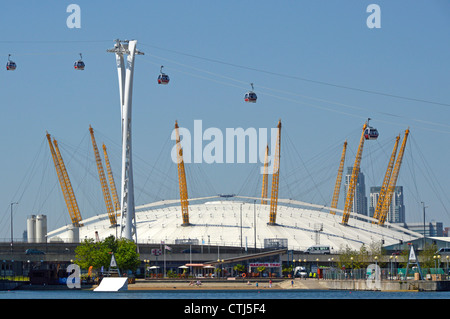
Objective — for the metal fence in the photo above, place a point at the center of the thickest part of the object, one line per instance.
(391, 273)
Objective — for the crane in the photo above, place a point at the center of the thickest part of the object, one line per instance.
(265, 177)
(104, 184)
(112, 184)
(275, 179)
(182, 180)
(393, 181)
(64, 181)
(353, 179)
(387, 177)
(337, 186)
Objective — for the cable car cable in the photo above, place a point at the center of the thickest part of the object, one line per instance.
(284, 92)
(302, 78)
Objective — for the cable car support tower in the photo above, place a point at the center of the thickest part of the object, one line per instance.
(125, 74)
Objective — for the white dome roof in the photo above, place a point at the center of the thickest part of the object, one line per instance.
(218, 222)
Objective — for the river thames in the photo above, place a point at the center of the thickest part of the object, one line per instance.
(291, 294)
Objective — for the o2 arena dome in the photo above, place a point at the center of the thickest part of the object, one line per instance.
(242, 222)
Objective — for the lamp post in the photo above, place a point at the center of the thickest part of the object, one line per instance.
(145, 266)
(438, 257)
(351, 273)
(396, 264)
(390, 272)
(424, 240)
(12, 224)
(317, 265)
(254, 221)
(434, 257)
(446, 272)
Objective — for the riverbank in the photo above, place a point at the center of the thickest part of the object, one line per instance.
(276, 284)
(224, 285)
(300, 284)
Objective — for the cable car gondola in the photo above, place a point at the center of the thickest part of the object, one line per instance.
(250, 96)
(370, 133)
(10, 65)
(79, 64)
(163, 78)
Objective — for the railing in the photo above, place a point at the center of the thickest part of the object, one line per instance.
(385, 274)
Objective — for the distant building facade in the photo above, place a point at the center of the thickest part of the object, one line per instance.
(396, 213)
(360, 198)
(432, 229)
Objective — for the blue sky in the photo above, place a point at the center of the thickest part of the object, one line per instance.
(315, 65)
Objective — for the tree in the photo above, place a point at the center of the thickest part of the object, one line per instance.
(287, 269)
(426, 256)
(260, 269)
(126, 254)
(239, 268)
(98, 254)
(90, 253)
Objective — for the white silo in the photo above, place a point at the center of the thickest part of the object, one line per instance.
(31, 229)
(73, 234)
(41, 228)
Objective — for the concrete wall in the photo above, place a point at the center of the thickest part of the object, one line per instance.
(388, 285)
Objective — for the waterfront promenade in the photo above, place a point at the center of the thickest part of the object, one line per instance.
(302, 284)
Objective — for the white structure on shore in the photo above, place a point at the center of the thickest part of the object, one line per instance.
(125, 74)
(231, 222)
(36, 228)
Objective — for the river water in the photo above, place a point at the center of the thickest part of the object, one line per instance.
(264, 294)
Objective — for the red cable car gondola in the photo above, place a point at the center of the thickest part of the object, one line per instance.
(250, 96)
(79, 64)
(163, 78)
(370, 133)
(10, 65)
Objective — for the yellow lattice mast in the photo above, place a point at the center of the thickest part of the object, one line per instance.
(112, 184)
(387, 178)
(275, 179)
(353, 179)
(265, 177)
(103, 182)
(64, 181)
(388, 199)
(337, 186)
(182, 180)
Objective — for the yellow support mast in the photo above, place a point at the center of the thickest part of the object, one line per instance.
(182, 180)
(265, 177)
(353, 179)
(64, 181)
(112, 184)
(387, 178)
(275, 180)
(337, 186)
(104, 184)
(390, 192)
